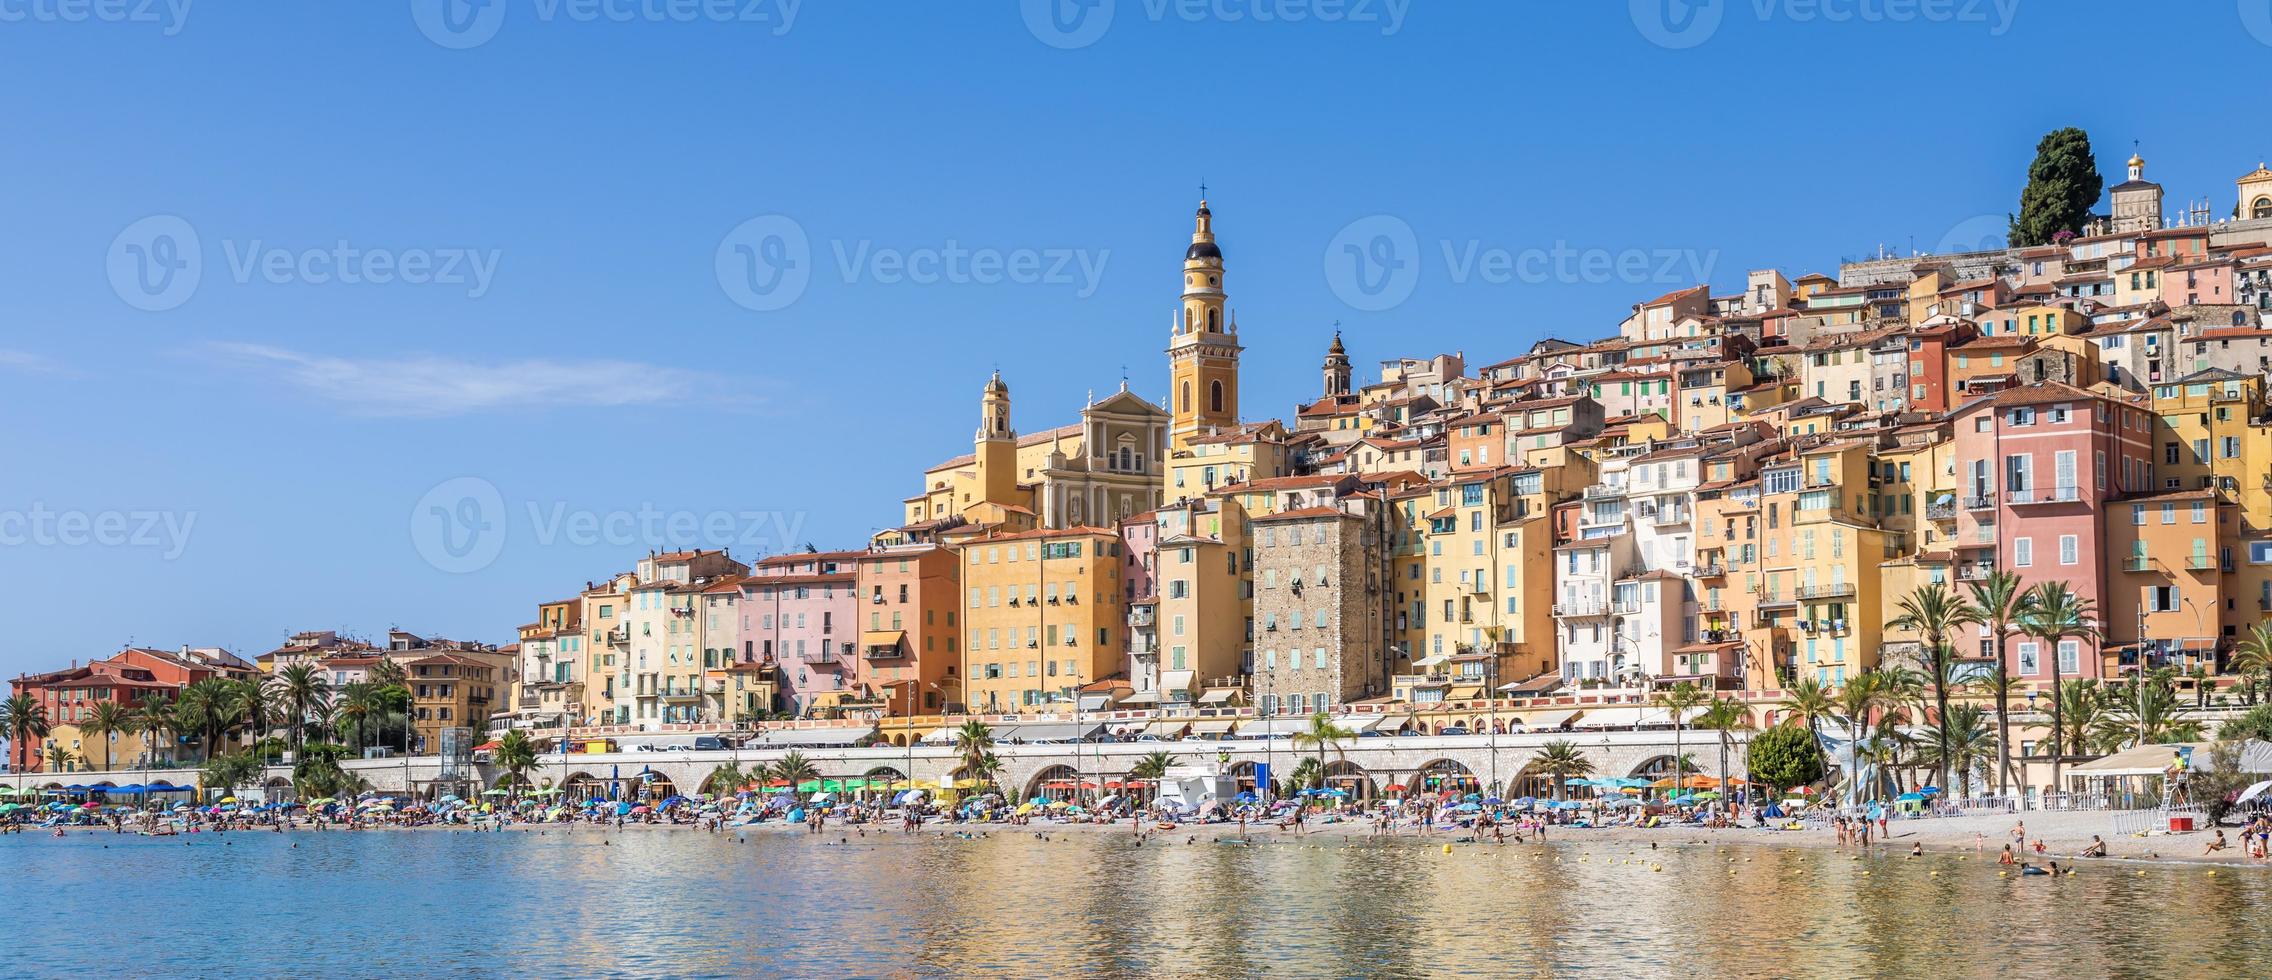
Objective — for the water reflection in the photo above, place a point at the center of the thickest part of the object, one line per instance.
(688, 904)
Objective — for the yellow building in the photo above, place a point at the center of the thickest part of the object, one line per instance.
(1043, 612)
(1820, 566)
(2206, 436)
(1206, 622)
(1103, 468)
(1250, 452)
(1204, 349)
(2171, 580)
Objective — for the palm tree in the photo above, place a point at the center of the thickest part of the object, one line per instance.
(1682, 699)
(25, 720)
(1562, 759)
(1935, 612)
(975, 740)
(1322, 734)
(1153, 766)
(1998, 604)
(515, 751)
(303, 690)
(210, 708)
(2081, 704)
(986, 768)
(2252, 658)
(2055, 614)
(1887, 744)
(2156, 711)
(1726, 716)
(1959, 744)
(255, 709)
(154, 719)
(795, 770)
(106, 719)
(1862, 695)
(1809, 700)
(58, 759)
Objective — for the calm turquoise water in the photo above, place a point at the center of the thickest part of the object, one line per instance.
(682, 903)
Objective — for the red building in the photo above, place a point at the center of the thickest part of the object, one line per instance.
(127, 678)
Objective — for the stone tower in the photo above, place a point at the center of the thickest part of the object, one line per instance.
(997, 462)
(1204, 349)
(1336, 368)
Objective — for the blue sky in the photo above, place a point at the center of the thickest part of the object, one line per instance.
(581, 202)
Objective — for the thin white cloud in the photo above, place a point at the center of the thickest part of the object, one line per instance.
(26, 362)
(427, 386)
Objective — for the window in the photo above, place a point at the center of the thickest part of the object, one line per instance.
(2068, 548)
(2023, 552)
(2028, 660)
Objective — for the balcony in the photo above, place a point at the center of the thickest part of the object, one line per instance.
(1142, 617)
(1941, 510)
(1710, 570)
(2200, 563)
(1581, 608)
(2044, 495)
(1626, 607)
(1669, 515)
(1834, 590)
(1974, 571)
(1603, 491)
(1981, 501)
(1711, 604)
(619, 636)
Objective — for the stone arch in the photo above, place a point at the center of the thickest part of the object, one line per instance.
(1440, 774)
(582, 786)
(1056, 782)
(713, 784)
(1346, 775)
(1659, 766)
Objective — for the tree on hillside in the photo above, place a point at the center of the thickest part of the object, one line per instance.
(2062, 185)
(1785, 756)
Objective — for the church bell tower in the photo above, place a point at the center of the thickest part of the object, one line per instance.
(1204, 347)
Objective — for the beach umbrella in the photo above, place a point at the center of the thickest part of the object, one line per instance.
(1930, 791)
(228, 799)
(496, 792)
(1910, 798)
(1710, 794)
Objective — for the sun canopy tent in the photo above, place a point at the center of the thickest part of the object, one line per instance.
(792, 737)
(1048, 733)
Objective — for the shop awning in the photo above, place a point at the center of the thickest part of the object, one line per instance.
(1049, 733)
(1177, 680)
(1095, 702)
(1213, 726)
(1623, 717)
(816, 736)
(1165, 729)
(1464, 692)
(1536, 685)
(1552, 720)
(1358, 724)
(1219, 695)
(1142, 697)
(1433, 660)
(939, 736)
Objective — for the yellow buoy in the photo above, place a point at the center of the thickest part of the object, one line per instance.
(2003, 874)
(2141, 874)
(1934, 874)
(1447, 848)
(2212, 872)
(1655, 868)
(1865, 872)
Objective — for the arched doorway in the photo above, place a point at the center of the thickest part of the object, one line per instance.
(884, 781)
(724, 783)
(581, 786)
(1659, 767)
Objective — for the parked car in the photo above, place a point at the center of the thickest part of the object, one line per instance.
(1455, 730)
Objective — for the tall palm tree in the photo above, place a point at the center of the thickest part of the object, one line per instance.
(516, 751)
(154, 720)
(211, 708)
(303, 689)
(256, 711)
(1935, 612)
(1959, 744)
(1862, 695)
(2156, 711)
(58, 759)
(1809, 700)
(1999, 604)
(2081, 704)
(1153, 766)
(1323, 734)
(2055, 614)
(25, 720)
(1726, 716)
(106, 719)
(1561, 759)
(1683, 698)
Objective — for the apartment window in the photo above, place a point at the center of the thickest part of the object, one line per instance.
(2023, 552)
(2069, 546)
(2200, 512)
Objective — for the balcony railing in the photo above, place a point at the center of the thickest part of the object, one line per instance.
(1711, 570)
(1627, 607)
(2045, 495)
(1672, 515)
(1974, 572)
(1831, 591)
(1581, 607)
(1600, 491)
(2137, 563)
(1980, 502)
(2200, 563)
(1941, 510)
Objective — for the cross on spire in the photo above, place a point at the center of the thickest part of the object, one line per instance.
(1202, 188)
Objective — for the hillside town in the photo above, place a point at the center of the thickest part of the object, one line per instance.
(1740, 492)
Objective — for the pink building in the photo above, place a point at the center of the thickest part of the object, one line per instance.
(801, 613)
(2035, 467)
(1140, 539)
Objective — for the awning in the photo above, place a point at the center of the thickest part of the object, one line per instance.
(1552, 720)
(1624, 717)
(1219, 695)
(938, 736)
(1049, 733)
(1177, 680)
(816, 736)
(1358, 724)
(1142, 697)
(872, 639)
(1433, 660)
(1212, 726)
(2154, 760)
(1464, 692)
(1165, 729)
